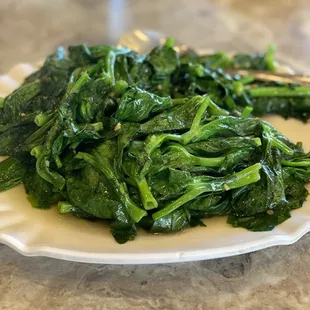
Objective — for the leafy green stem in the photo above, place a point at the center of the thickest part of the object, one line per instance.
(280, 92)
(246, 112)
(239, 179)
(42, 118)
(64, 207)
(53, 177)
(302, 163)
(169, 43)
(155, 141)
(177, 155)
(274, 141)
(148, 201)
(187, 137)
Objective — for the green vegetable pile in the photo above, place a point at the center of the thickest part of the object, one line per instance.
(155, 141)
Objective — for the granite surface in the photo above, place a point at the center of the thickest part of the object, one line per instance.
(275, 278)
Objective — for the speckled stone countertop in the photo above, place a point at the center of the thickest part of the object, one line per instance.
(275, 278)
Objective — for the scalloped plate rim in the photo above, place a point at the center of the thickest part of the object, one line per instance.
(151, 258)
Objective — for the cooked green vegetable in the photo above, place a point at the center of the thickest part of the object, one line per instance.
(156, 141)
(234, 93)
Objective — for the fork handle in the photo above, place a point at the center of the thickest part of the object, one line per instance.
(273, 76)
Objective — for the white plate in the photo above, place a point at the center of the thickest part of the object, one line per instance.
(35, 232)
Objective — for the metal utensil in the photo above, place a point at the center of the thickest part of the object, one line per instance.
(143, 41)
(272, 76)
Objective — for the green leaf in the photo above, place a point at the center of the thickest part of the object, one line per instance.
(40, 193)
(137, 104)
(88, 190)
(11, 173)
(164, 60)
(18, 102)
